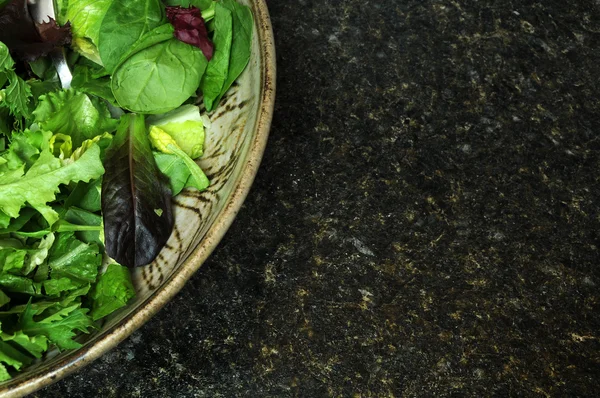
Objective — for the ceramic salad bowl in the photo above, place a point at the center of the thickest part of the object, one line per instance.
(235, 143)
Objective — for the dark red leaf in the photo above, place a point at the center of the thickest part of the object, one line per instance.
(20, 33)
(136, 198)
(190, 28)
(57, 35)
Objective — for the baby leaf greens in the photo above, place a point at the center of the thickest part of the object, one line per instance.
(201, 4)
(159, 78)
(190, 28)
(85, 17)
(73, 114)
(185, 126)
(136, 199)
(218, 68)
(124, 23)
(16, 96)
(44, 175)
(180, 164)
(87, 174)
(240, 45)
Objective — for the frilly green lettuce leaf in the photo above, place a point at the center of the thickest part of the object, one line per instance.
(46, 175)
(25, 149)
(75, 114)
(61, 146)
(59, 328)
(35, 346)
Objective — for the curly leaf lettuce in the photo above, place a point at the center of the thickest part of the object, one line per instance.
(46, 175)
(73, 113)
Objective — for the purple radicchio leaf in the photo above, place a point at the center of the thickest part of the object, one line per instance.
(136, 199)
(190, 28)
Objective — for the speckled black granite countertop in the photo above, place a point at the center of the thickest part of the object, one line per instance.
(425, 223)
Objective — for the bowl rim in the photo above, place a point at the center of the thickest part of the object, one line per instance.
(163, 294)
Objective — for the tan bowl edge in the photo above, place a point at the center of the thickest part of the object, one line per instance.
(80, 358)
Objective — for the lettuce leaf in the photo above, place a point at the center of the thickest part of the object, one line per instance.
(35, 346)
(241, 44)
(85, 17)
(59, 328)
(218, 67)
(190, 28)
(113, 290)
(13, 357)
(176, 170)
(136, 199)
(72, 264)
(25, 149)
(201, 4)
(85, 82)
(179, 173)
(74, 113)
(16, 96)
(185, 126)
(46, 175)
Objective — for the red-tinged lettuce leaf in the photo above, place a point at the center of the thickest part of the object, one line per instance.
(20, 33)
(54, 34)
(190, 28)
(136, 199)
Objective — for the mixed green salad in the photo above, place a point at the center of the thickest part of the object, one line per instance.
(87, 173)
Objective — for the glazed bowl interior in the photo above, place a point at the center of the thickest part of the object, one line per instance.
(234, 146)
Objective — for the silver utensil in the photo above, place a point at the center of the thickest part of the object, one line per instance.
(42, 11)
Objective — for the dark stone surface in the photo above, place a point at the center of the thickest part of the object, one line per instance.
(425, 223)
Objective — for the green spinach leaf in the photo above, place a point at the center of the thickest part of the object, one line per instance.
(241, 45)
(124, 23)
(157, 35)
(159, 78)
(201, 4)
(218, 68)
